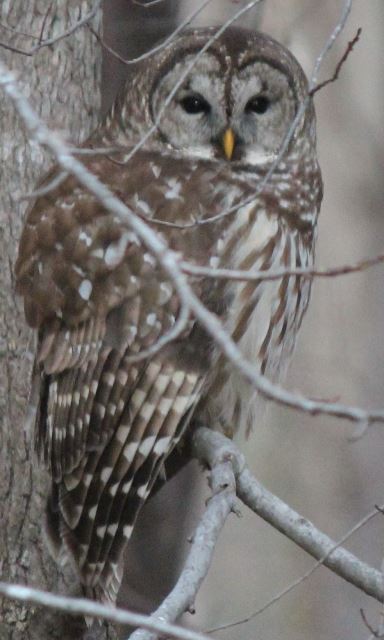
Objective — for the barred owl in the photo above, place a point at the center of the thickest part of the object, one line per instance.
(106, 423)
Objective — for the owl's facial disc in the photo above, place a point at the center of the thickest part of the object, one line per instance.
(263, 107)
(255, 104)
(196, 114)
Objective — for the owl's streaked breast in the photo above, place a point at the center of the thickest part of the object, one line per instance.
(263, 316)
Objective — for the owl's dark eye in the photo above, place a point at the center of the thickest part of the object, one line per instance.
(258, 104)
(195, 103)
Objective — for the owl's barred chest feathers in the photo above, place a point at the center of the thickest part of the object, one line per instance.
(263, 316)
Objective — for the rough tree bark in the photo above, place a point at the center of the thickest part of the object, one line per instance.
(63, 81)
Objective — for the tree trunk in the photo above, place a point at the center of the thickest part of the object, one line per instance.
(62, 82)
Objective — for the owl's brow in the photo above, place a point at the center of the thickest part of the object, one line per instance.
(191, 50)
(275, 64)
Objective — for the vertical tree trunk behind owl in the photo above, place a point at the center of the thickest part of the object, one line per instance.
(64, 80)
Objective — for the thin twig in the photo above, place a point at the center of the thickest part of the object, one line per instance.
(92, 609)
(305, 535)
(44, 22)
(374, 633)
(299, 580)
(251, 275)
(16, 32)
(339, 66)
(158, 47)
(147, 3)
(42, 191)
(289, 522)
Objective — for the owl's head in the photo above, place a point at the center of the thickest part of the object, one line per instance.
(233, 100)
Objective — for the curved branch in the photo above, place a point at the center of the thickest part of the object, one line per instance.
(91, 609)
(220, 505)
(286, 520)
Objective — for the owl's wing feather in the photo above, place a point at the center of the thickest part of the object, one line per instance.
(121, 473)
(105, 424)
(136, 416)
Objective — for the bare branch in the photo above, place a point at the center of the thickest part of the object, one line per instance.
(238, 274)
(44, 22)
(375, 634)
(42, 191)
(229, 474)
(7, 27)
(330, 42)
(92, 609)
(305, 535)
(199, 559)
(339, 65)
(147, 3)
(289, 522)
(301, 579)
(158, 47)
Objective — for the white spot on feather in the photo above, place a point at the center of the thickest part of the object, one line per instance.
(85, 289)
(146, 445)
(155, 170)
(98, 253)
(178, 377)
(92, 512)
(126, 487)
(147, 410)
(181, 404)
(173, 192)
(130, 450)
(84, 237)
(142, 491)
(106, 474)
(138, 397)
(127, 530)
(109, 378)
(151, 319)
(113, 489)
(162, 445)
(164, 406)
(116, 250)
(149, 259)
(112, 529)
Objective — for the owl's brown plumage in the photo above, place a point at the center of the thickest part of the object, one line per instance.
(104, 423)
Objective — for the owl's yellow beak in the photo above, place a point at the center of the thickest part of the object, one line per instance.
(228, 142)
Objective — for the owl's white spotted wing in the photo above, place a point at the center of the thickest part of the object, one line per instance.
(105, 424)
(136, 416)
